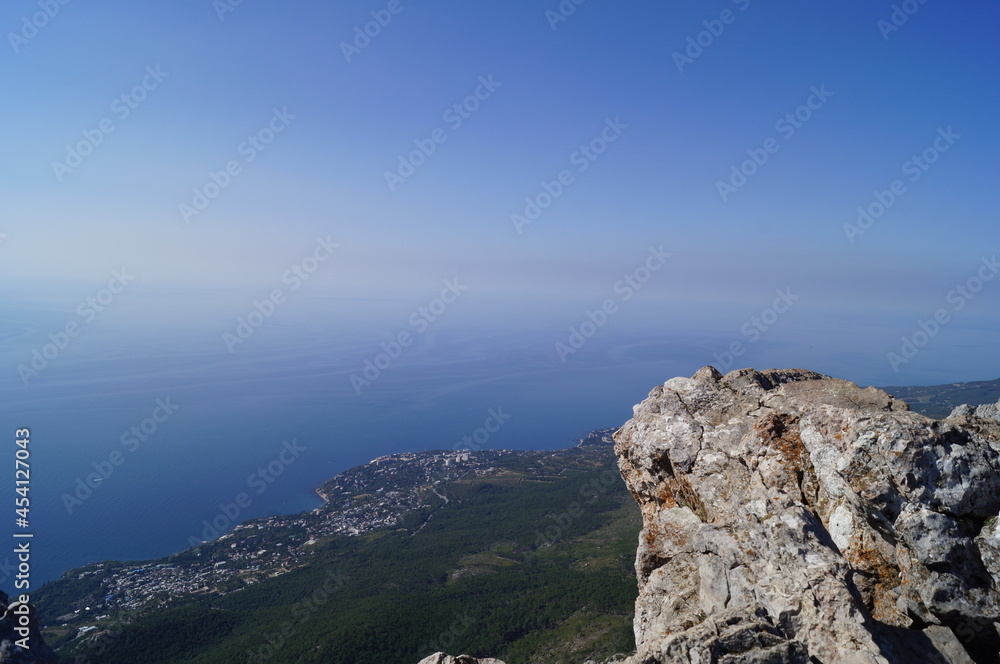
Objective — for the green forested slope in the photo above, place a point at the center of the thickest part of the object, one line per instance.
(532, 565)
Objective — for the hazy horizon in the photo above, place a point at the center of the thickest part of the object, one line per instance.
(366, 224)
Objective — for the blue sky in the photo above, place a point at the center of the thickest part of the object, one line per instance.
(635, 268)
(655, 185)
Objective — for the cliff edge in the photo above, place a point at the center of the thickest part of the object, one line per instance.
(790, 517)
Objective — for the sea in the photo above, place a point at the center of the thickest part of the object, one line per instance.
(148, 424)
(142, 441)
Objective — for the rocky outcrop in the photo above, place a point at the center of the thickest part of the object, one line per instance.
(441, 658)
(989, 411)
(12, 643)
(789, 517)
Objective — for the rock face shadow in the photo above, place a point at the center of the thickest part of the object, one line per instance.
(793, 517)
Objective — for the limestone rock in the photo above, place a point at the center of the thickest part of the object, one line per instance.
(441, 658)
(790, 517)
(989, 411)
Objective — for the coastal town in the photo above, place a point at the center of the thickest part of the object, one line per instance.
(374, 496)
(401, 492)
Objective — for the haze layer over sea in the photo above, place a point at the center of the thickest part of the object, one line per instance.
(147, 421)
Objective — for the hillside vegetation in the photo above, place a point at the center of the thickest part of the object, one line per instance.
(530, 564)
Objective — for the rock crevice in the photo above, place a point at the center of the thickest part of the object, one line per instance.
(793, 517)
